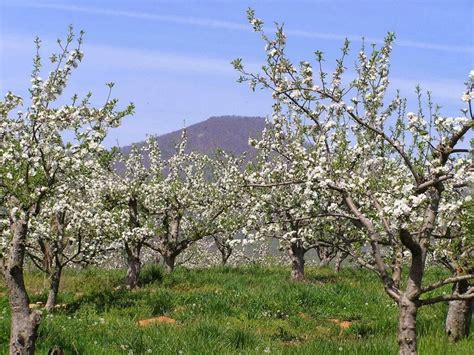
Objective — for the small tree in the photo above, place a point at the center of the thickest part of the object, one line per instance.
(123, 190)
(224, 243)
(69, 229)
(296, 214)
(35, 161)
(195, 199)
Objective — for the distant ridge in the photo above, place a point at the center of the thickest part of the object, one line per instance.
(229, 133)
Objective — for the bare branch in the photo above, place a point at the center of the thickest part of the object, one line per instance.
(447, 281)
(445, 298)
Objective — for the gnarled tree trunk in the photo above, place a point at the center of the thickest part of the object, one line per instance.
(55, 279)
(133, 265)
(133, 272)
(169, 261)
(24, 323)
(171, 247)
(225, 255)
(409, 300)
(341, 256)
(458, 320)
(407, 326)
(224, 249)
(297, 262)
(325, 255)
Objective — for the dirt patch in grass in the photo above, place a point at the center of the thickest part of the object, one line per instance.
(156, 320)
(343, 324)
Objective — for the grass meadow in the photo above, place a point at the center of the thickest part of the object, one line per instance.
(223, 310)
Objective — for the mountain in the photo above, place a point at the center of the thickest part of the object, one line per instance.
(229, 133)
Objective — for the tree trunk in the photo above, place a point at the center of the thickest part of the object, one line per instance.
(224, 248)
(297, 262)
(169, 262)
(133, 265)
(407, 326)
(325, 255)
(172, 247)
(225, 254)
(458, 320)
(341, 256)
(55, 279)
(24, 323)
(133, 272)
(409, 302)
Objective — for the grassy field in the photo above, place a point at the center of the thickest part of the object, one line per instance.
(251, 310)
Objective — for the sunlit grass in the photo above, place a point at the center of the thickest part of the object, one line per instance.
(224, 310)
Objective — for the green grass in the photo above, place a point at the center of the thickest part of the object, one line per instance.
(249, 310)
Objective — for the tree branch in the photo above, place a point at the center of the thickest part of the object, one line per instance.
(447, 281)
(453, 297)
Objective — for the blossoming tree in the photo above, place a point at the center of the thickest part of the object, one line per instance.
(194, 200)
(123, 188)
(72, 227)
(36, 162)
(294, 214)
(390, 172)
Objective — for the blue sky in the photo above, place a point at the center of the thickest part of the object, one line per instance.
(171, 57)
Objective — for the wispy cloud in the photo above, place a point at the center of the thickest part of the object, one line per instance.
(131, 58)
(398, 42)
(228, 25)
(134, 59)
(182, 20)
(125, 58)
(449, 90)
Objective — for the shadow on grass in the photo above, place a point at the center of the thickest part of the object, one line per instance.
(151, 274)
